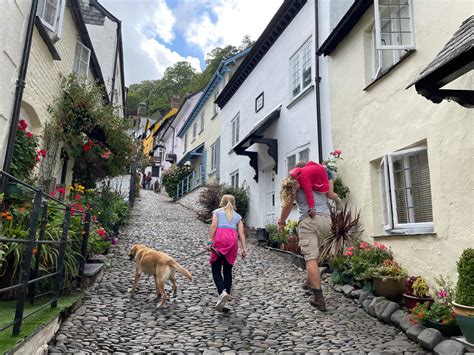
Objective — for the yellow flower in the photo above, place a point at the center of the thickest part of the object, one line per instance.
(70, 187)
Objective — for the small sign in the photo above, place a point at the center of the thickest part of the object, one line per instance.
(259, 102)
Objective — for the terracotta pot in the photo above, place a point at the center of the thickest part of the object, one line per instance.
(465, 319)
(292, 244)
(411, 301)
(390, 288)
(283, 246)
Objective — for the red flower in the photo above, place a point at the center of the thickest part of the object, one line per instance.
(52, 193)
(37, 159)
(29, 134)
(77, 197)
(61, 190)
(101, 232)
(22, 125)
(42, 152)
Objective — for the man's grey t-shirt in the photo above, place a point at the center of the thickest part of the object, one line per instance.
(320, 204)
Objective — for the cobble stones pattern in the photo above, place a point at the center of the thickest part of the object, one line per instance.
(269, 310)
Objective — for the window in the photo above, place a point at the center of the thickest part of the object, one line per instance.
(186, 142)
(216, 107)
(392, 36)
(215, 151)
(300, 69)
(304, 155)
(301, 155)
(291, 162)
(81, 60)
(234, 179)
(195, 126)
(406, 191)
(201, 120)
(235, 129)
(51, 13)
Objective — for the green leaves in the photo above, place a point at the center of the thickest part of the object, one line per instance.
(465, 285)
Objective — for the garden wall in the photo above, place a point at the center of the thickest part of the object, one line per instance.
(191, 200)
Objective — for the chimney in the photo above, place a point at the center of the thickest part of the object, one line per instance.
(141, 109)
(175, 102)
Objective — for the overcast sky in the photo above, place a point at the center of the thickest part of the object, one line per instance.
(159, 33)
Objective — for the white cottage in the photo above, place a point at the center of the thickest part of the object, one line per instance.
(275, 110)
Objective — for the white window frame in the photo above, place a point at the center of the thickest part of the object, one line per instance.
(42, 10)
(297, 61)
(389, 203)
(79, 60)
(215, 156)
(185, 142)
(235, 128)
(296, 154)
(216, 106)
(201, 122)
(378, 28)
(288, 167)
(234, 179)
(195, 125)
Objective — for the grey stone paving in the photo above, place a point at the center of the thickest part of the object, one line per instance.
(270, 312)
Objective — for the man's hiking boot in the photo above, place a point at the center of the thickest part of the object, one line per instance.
(317, 299)
(306, 285)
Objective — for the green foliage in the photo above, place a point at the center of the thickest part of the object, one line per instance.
(179, 80)
(345, 229)
(93, 134)
(291, 227)
(275, 235)
(25, 153)
(465, 284)
(210, 199)
(389, 269)
(173, 176)
(421, 288)
(341, 189)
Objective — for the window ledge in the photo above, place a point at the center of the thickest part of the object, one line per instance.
(46, 38)
(194, 139)
(405, 236)
(298, 97)
(214, 115)
(202, 130)
(389, 70)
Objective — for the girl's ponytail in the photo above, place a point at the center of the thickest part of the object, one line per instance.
(228, 204)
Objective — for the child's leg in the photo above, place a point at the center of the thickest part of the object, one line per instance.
(227, 276)
(217, 274)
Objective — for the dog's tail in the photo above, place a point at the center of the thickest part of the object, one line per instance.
(180, 269)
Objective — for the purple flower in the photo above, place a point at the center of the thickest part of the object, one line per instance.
(442, 293)
(114, 241)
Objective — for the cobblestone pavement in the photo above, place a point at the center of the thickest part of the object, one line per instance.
(270, 312)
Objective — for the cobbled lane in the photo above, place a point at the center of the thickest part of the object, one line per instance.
(269, 310)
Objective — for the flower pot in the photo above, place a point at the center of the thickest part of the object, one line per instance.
(448, 330)
(292, 244)
(411, 301)
(12, 188)
(283, 246)
(465, 319)
(390, 288)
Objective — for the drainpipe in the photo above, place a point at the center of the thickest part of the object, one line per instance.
(119, 25)
(172, 147)
(318, 82)
(20, 85)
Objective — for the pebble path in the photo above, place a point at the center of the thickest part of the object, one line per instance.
(269, 310)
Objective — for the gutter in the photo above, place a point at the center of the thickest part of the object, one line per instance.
(318, 83)
(20, 85)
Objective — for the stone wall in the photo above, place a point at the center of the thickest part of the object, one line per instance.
(191, 200)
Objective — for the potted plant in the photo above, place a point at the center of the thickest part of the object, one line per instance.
(464, 305)
(291, 229)
(272, 231)
(439, 314)
(389, 279)
(417, 291)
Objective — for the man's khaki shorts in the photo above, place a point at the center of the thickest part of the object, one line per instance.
(312, 232)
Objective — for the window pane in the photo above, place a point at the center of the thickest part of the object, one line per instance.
(304, 155)
(291, 161)
(394, 20)
(49, 13)
(295, 75)
(237, 128)
(83, 69)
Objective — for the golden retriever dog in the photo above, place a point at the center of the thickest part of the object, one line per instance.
(159, 265)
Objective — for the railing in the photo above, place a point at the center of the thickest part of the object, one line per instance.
(30, 273)
(190, 182)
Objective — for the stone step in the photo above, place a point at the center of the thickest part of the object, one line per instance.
(92, 269)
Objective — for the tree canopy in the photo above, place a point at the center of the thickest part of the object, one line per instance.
(179, 80)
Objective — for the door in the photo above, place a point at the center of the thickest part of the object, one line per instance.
(269, 196)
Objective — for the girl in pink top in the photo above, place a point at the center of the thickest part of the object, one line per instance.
(226, 227)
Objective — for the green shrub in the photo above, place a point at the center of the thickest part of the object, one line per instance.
(173, 176)
(211, 196)
(465, 285)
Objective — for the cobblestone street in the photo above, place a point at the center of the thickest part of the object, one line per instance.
(269, 310)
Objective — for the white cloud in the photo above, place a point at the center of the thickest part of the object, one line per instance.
(235, 19)
(164, 21)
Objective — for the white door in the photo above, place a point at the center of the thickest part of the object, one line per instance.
(269, 179)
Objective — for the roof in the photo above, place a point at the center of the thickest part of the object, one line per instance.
(209, 89)
(282, 18)
(460, 44)
(345, 25)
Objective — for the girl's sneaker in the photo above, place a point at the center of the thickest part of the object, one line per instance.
(222, 300)
(226, 309)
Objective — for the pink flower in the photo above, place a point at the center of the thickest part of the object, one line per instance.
(77, 197)
(114, 241)
(61, 190)
(53, 194)
(442, 293)
(22, 125)
(364, 245)
(380, 246)
(29, 134)
(37, 159)
(42, 152)
(348, 253)
(101, 232)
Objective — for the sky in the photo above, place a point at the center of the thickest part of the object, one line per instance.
(158, 33)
